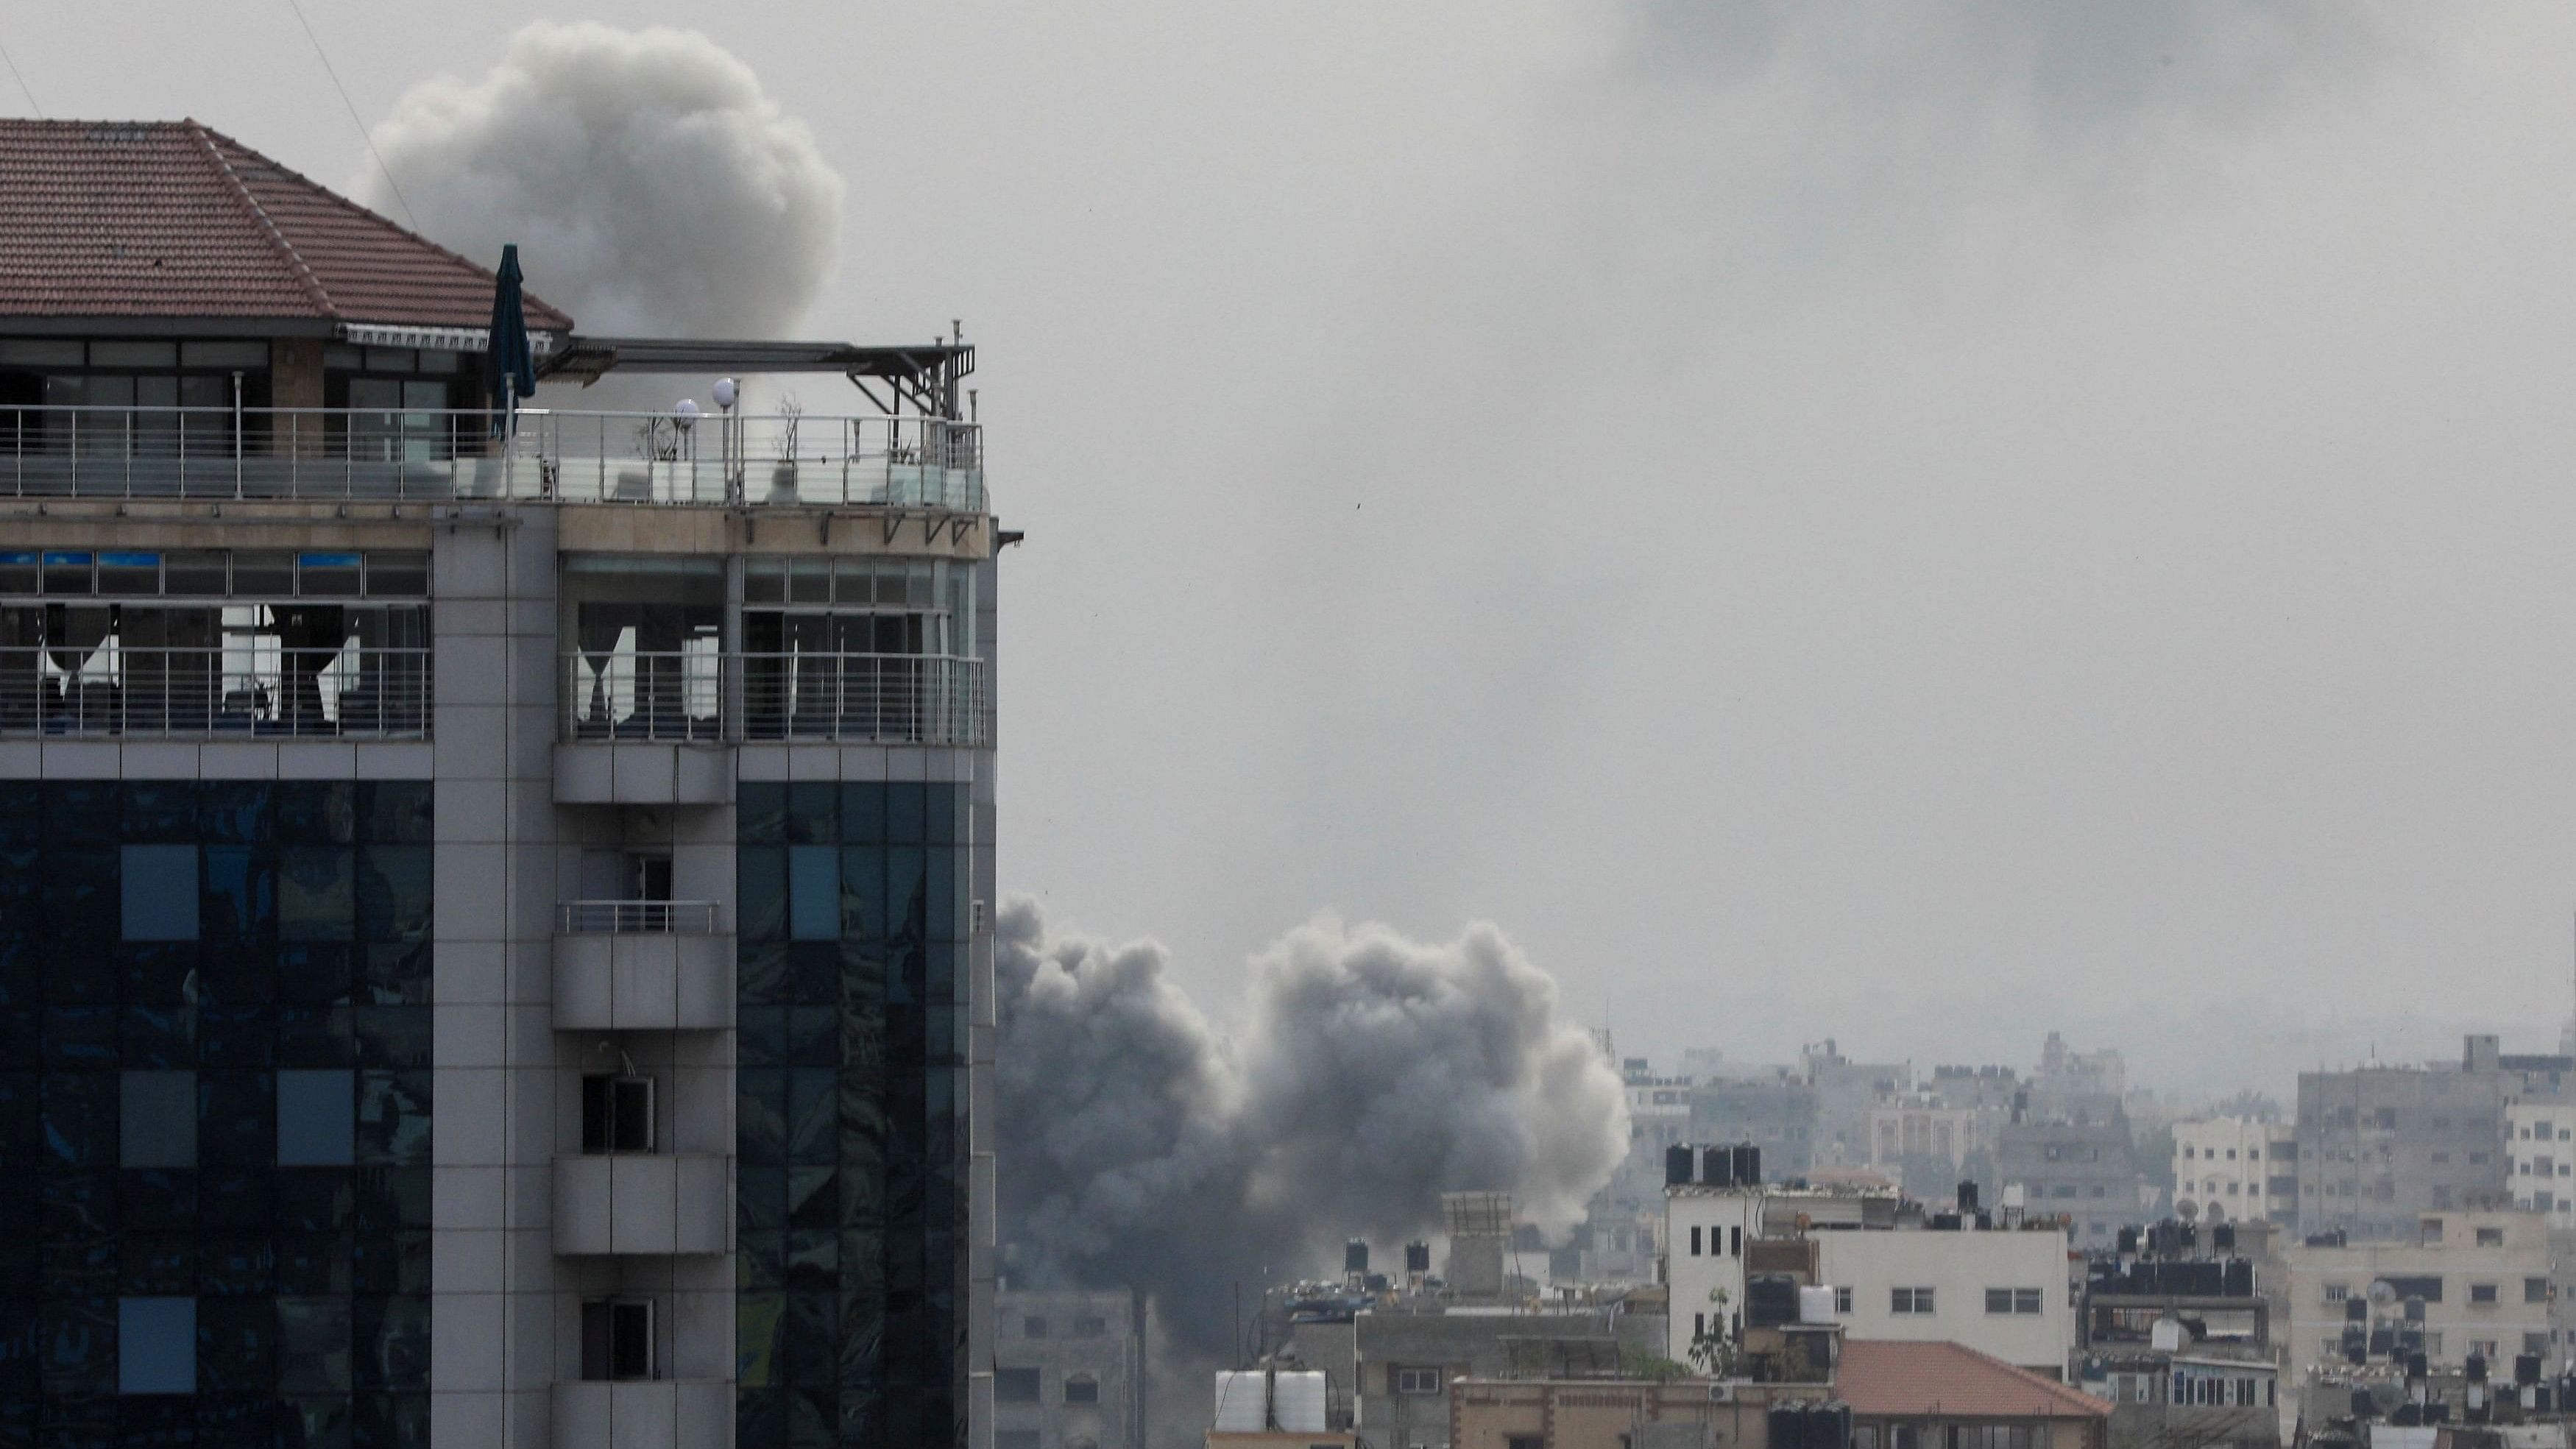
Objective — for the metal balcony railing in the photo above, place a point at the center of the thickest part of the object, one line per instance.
(573, 457)
(636, 918)
(349, 691)
(706, 697)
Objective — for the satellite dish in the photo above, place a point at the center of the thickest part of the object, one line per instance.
(2382, 1291)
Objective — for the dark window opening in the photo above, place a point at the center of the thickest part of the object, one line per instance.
(617, 1339)
(616, 1114)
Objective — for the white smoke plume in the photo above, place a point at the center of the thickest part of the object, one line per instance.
(652, 185)
(1372, 1073)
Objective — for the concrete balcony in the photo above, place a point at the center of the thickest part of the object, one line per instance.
(642, 966)
(643, 1204)
(644, 1414)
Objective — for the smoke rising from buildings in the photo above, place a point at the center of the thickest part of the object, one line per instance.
(651, 183)
(1141, 1146)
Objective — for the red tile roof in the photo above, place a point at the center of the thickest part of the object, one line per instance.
(176, 219)
(1882, 1379)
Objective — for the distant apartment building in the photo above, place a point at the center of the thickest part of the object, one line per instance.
(1775, 1111)
(2001, 1290)
(2066, 1075)
(1846, 1092)
(2084, 1170)
(2380, 1146)
(2214, 1383)
(2540, 1150)
(2227, 1167)
(1929, 1146)
(1068, 1370)
(2467, 1282)
(1987, 1088)
(1659, 1107)
(1590, 1413)
(1392, 1371)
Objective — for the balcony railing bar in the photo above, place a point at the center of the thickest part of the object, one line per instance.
(241, 689)
(704, 696)
(636, 918)
(779, 460)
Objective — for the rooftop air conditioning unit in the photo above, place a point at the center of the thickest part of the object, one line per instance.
(1721, 1392)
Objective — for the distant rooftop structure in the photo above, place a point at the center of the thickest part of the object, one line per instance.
(1883, 1379)
(160, 221)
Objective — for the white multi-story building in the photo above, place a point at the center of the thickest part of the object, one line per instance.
(2001, 1292)
(2227, 1167)
(2541, 1147)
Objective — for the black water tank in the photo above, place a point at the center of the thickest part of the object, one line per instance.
(1748, 1165)
(2362, 1406)
(2415, 1363)
(1375, 1283)
(2383, 1342)
(1945, 1222)
(1788, 1426)
(2475, 1370)
(1717, 1167)
(2437, 1413)
(1677, 1166)
(2222, 1238)
(2188, 1236)
(1770, 1299)
(1834, 1427)
(2541, 1400)
(2526, 1368)
(1417, 1256)
(2128, 1240)
(1968, 1198)
(1355, 1256)
(2414, 1310)
(2406, 1416)
(2240, 1277)
(2356, 1310)
(2212, 1278)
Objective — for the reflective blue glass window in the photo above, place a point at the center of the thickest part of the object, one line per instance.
(316, 1119)
(157, 1120)
(316, 893)
(156, 1346)
(159, 888)
(813, 893)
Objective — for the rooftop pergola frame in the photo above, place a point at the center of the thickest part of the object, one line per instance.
(927, 378)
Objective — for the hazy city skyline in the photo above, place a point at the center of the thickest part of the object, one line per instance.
(1924, 532)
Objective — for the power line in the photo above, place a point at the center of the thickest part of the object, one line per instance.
(22, 84)
(390, 184)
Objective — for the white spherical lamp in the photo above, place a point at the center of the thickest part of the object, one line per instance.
(725, 393)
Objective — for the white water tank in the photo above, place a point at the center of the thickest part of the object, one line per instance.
(1242, 1401)
(1815, 1305)
(1297, 1401)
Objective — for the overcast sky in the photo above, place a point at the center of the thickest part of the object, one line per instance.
(1914, 523)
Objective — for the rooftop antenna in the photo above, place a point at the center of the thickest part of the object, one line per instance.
(324, 56)
(22, 83)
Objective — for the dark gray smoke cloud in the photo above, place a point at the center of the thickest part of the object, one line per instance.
(1139, 1146)
(652, 185)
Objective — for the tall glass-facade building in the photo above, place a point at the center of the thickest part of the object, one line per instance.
(494, 919)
